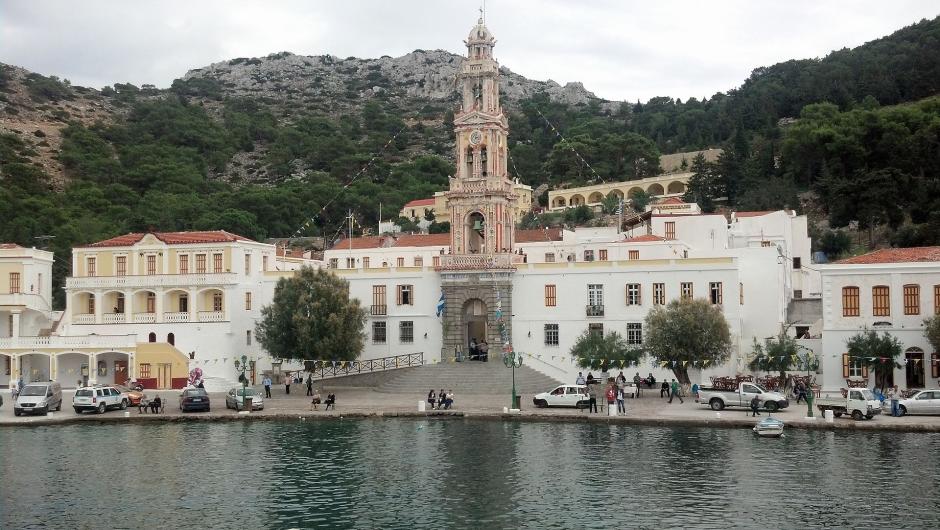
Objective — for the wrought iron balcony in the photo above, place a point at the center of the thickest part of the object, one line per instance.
(379, 310)
(595, 310)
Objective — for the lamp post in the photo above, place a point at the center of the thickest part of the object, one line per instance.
(512, 360)
(809, 391)
(241, 369)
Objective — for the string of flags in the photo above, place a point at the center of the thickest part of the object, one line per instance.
(306, 224)
(573, 150)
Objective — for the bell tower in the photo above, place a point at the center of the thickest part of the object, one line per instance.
(481, 193)
(476, 277)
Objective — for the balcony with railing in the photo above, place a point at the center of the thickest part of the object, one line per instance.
(594, 310)
(212, 316)
(55, 341)
(151, 281)
(475, 261)
(176, 316)
(145, 318)
(86, 318)
(379, 310)
(113, 318)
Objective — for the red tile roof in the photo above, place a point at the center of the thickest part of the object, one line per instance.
(423, 240)
(645, 238)
(672, 200)
(9, 246)
(420, 202)
(359, 243)
(538, 235)
(172, 238)
(753, 214)
(895, 255)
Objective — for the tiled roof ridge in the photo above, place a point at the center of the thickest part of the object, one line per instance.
(895, 255)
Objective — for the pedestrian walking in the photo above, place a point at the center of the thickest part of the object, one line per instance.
(755, 405)
(309, 385)
(592, 399)
(267, 386)
(675, 391)
(800, 391)
(287, 383)
(895, 396)
(431, 398)
(611, 396)
(621, 406)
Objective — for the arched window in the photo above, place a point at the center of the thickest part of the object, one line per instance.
(152, 337)
(171, 338)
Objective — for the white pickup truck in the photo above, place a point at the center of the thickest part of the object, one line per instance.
(719, 399)
(858, 403)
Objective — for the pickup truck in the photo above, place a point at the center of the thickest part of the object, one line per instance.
(858, 402)
(719, 399)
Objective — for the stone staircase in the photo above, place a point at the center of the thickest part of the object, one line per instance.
(468, 377)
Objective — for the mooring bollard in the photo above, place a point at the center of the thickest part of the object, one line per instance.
(829, 416)
(422, 406)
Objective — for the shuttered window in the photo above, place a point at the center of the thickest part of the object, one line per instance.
(633, 294)
(880, 301)
(659, 293)
(550, 299)
(406, 295)
(912, 299)
(850, 301)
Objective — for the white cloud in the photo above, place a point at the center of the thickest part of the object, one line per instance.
(619, 50)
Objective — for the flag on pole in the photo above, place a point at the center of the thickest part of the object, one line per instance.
(440, 305)
(619, 207)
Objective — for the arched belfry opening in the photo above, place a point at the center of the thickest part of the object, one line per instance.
(475, 229)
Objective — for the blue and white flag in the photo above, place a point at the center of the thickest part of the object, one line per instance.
(440, 305)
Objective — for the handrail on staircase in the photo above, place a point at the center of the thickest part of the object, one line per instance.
(554, 367)
(322, 369)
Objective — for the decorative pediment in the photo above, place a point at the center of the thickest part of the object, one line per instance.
(479, 118)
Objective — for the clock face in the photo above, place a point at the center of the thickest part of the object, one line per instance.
(476, 137)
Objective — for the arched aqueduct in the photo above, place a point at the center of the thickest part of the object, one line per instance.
(661, 186)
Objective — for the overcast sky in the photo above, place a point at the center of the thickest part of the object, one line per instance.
(620, 50)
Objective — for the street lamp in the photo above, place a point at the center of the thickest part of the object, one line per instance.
(512, 360)
(241, 368)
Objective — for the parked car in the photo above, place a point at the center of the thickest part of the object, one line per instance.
(99, 398)
(923, 402)
(133, 396)
(718, 399)
(858, 402)
(563, 396)
(235, 400)
(38, 398)
(194, 399)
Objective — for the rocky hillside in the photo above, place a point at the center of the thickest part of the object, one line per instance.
(342, 84)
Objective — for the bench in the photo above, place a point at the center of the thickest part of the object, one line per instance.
(145, 406)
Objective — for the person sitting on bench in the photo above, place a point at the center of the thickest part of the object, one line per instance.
(330, 401)
(449, 400)
(315, 402)
(156, 404)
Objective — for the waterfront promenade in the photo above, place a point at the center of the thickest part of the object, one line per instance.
(649, 409)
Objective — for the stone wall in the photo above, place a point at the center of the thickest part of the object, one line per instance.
(460, 287)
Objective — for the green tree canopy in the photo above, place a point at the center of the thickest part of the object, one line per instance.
(602, 351)
(777, 354)
(685, 332)
(932, 331)
(877, 352)
(312, 317)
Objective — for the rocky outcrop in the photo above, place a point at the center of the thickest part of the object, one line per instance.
(420, 75)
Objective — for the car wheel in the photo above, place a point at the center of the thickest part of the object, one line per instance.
(717, 404)
(58, 407)
(857, 415)
(17, 412)
(102, 408)
(77, 410)
(123, 404)
(837, 414)
(540, 403)
(771, 406)
(869, 416)
(902, 410)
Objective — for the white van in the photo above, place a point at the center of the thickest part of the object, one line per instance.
(38, 398)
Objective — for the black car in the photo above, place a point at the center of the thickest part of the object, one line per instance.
(194, 399)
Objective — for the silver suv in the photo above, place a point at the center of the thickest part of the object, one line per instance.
(99, 398)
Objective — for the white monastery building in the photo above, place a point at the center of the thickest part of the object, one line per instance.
(153, 306)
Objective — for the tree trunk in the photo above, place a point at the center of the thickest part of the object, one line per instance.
(682, 374)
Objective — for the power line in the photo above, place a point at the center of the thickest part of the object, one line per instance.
(569, 146)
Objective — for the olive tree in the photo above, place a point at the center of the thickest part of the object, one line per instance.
(601, 351)
(687, 332)
(312, 317)
(876, 352)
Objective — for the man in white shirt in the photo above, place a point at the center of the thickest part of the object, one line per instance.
(580, 380)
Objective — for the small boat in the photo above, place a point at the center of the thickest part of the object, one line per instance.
(769, 427)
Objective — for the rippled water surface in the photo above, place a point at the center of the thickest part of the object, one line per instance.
(460, 474)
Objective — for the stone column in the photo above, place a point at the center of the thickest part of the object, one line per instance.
(192, 304)
(128, 306)
(159, 304)
(92, 369)
(99, 303)
(15, 332)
